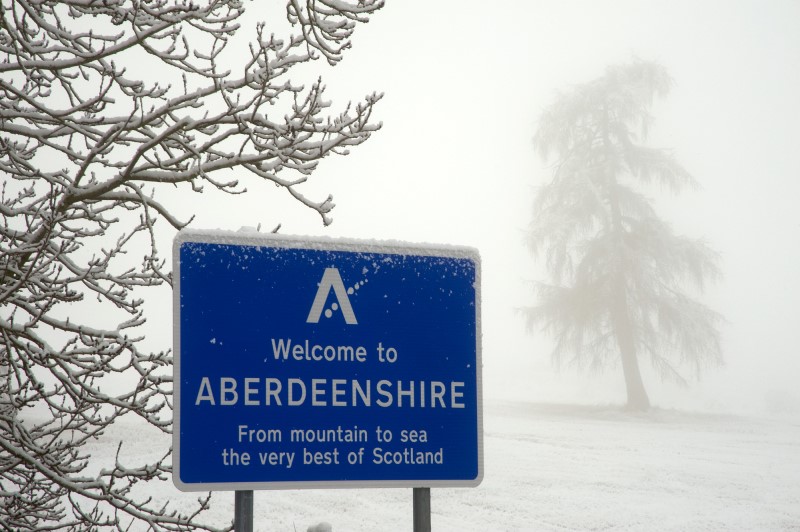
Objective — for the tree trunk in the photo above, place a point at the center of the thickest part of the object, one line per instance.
(620, 317)
(637, 395)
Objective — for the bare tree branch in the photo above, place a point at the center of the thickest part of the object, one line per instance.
(102, 103)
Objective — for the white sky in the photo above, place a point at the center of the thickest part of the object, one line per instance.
(454, 163)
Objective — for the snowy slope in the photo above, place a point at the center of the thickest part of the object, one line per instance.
(558, 467)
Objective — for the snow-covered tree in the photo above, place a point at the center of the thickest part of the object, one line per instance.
(619, 274)
(105, 105)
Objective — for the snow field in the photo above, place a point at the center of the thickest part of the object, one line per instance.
(556, 468)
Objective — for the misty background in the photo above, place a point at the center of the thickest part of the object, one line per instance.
(464, 83)
(454, 163)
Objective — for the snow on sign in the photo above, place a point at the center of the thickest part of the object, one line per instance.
(325, 363)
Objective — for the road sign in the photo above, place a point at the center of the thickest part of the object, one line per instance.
(324, 363)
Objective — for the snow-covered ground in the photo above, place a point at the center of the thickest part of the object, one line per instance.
(562, 467)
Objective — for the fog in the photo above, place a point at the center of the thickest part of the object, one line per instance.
(454, 163)
(465, 83)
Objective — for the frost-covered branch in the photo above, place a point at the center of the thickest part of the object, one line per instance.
(103, 103)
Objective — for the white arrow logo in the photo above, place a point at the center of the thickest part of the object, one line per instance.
(331, 279)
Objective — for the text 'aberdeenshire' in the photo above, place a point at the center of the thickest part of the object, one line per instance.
(294, 392)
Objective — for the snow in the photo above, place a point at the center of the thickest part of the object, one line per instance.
(323, 242)
(557, 467)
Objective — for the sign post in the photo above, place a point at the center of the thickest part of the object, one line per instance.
(243, 511)
(422, 510)
(324, 363)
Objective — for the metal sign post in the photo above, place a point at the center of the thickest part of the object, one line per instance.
(422, 510)
(243, 511)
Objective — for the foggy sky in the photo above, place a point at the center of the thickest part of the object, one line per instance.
(454, 163)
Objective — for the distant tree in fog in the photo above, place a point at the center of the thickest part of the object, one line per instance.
(618, 272)
(105, 106)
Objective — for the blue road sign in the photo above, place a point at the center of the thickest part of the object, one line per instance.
(324, 363)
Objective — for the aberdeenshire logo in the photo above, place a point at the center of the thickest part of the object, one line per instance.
(332, 280)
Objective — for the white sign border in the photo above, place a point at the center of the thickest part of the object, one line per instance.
(273, 240)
